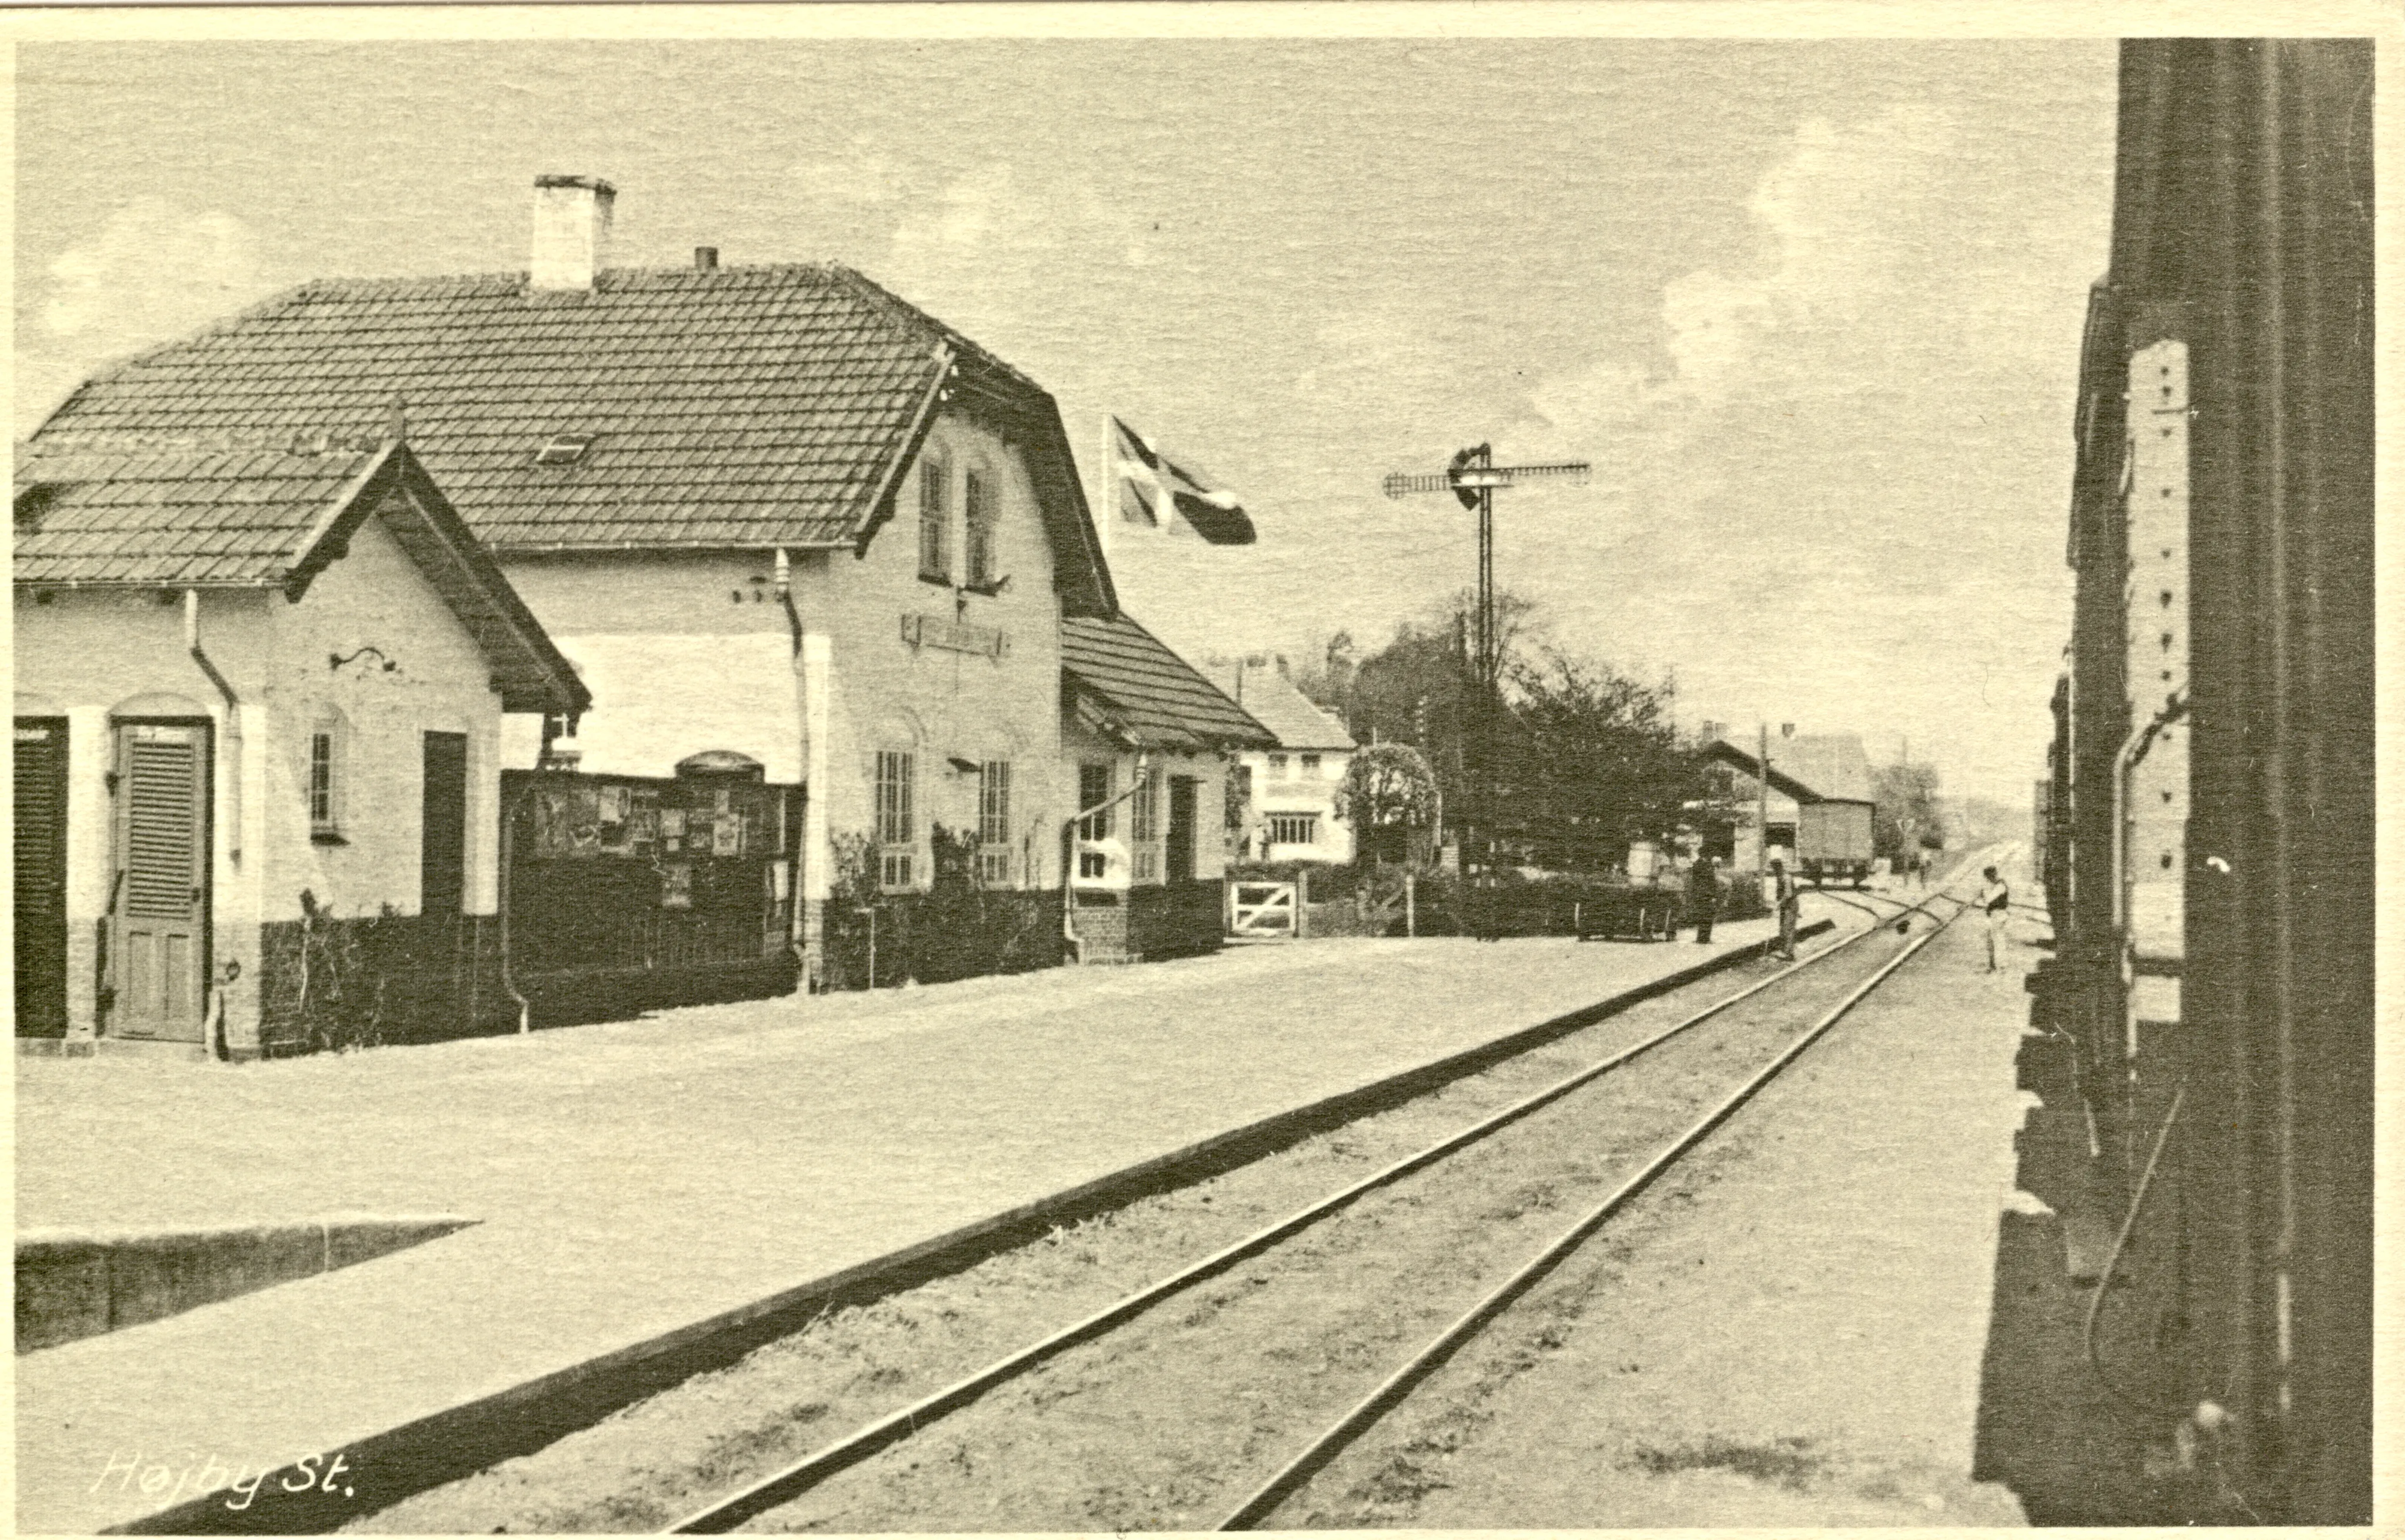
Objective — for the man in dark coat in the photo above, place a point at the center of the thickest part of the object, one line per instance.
(1703, 896)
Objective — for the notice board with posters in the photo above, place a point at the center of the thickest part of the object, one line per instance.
(613, 874)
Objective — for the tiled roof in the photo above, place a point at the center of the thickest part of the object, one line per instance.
(272, 518)
(1825, 767)
(232, 517)
(732, 406)
(1274, 702)
(1148, 693)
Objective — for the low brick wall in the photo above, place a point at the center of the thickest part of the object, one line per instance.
(1180, 919)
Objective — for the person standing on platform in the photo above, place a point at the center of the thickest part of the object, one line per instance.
(1997, 899)
(1703, 897)
(1783, 897)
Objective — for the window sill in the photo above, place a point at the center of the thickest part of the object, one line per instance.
(938, 580)
(327, 836)
(992, 589)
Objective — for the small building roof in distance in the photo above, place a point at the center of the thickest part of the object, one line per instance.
(1811, 767)
(1274, 700)
(197, 517)
(1120, 679)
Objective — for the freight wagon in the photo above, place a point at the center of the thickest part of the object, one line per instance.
(2204, 1051)
(1832, 842)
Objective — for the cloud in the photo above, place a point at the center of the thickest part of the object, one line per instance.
(863, 176)
(991, 214)
(152, 272)
(1840, 223)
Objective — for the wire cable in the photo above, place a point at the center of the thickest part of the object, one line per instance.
(2088, 1340)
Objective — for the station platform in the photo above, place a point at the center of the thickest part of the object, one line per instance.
(642, 1190)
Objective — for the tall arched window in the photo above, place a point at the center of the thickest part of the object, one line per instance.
(897, 827)
(326, 777)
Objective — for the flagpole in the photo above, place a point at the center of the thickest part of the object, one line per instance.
(1105, 506)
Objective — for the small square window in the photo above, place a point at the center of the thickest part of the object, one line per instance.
(1311, 767)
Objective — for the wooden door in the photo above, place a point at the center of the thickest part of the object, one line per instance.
(41, 852)
(443, 828)
(159, 951)
(1181, 829)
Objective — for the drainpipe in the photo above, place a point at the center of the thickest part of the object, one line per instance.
(234, 723)
(796, 934)
(509, 980)
(1069, 853)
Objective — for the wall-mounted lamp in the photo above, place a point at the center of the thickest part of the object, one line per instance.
(338, 660)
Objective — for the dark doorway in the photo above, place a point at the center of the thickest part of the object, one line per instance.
(41, 850)
(443, 839)
(1181, 829)
(161, 898)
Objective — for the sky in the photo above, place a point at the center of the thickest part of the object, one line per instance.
(1811, 309)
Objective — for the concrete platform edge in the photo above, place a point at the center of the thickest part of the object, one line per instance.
(445, 1445)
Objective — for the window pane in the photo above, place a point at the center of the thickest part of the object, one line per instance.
(1094, 789)
(893, 775)
(935, 519)
(322, 778)
(993, 803)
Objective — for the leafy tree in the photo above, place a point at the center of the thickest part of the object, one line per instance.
(1416, 689)
(1388, 790)
(1904, 793)
(1326, 676)
(1594, 760)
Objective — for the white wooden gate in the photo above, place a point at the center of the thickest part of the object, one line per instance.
(1260, 909)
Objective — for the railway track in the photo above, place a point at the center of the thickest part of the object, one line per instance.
(1318, 1225)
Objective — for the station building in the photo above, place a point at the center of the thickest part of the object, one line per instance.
(814, 554)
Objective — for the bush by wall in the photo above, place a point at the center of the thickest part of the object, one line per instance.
(955, 930)
(360, 980)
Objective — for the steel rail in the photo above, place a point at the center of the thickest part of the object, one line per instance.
(791, 1481)
(1271, 1493)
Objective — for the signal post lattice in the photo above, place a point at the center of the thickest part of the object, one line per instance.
(1473, 477)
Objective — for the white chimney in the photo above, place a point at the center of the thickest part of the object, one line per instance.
(572, 230)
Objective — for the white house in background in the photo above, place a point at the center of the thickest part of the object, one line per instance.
(1291, 789)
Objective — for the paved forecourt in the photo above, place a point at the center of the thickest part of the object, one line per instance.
(637, 1181)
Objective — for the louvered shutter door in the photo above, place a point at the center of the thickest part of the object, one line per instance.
(160, 871)
(41, 851)
(162, 879)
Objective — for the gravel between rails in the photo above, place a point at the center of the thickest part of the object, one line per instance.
(655, 1460)
(1773, 1339)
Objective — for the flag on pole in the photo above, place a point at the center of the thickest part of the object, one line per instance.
(1150, 488)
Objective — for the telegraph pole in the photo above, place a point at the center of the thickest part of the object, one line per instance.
(1473, 477)
(1762, 815)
